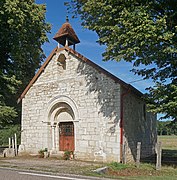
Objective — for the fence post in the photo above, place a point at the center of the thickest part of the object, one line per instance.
(138, 152)
(124, 158)
(9, 142)
(15, 135)
(13, 147)
(159, 155)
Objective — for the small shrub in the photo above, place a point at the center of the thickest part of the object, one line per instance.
(68, 155)
(41, 152)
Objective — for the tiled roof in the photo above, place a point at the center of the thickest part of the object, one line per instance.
(66, 31)
(98, 68)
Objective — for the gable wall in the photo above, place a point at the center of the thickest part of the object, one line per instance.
(97, 98)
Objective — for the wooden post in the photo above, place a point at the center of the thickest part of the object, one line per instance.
(124, 160)
(159, 155)
(9, 143)
(16, 151)
(138, 152)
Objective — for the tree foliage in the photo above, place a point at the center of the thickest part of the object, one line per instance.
(22, 32)
(167, 127)
(141, 32)
(8, 132)
(7, 113)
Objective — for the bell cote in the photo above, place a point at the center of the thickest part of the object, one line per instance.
(66, 36)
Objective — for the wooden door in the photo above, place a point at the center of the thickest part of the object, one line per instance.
(66, 139)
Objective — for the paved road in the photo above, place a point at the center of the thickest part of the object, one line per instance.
(8, 174)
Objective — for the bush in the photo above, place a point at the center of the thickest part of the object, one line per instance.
(41, 152)
(9, 131)
(67, 155)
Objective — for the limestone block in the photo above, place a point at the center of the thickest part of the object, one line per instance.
(92, 143)
(112, 139)
(83, 143)
(111, 144)
(116, 150)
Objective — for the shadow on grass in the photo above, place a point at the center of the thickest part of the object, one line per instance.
(169, 157)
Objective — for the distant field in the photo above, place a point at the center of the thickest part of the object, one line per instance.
(168, 142)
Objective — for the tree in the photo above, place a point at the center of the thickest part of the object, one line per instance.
(141, 32)
(7, 113)
(22, 32)
(167, 127)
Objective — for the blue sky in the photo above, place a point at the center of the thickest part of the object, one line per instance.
(56, 15)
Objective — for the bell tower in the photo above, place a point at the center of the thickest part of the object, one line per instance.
(66, 36)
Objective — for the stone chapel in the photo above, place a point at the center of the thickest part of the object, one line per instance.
(72, 104)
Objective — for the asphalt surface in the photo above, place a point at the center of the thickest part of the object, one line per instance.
(9, 174)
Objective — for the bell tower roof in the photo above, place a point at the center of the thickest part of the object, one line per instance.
(66, 33)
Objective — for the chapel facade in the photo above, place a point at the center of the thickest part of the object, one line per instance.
(72, 104)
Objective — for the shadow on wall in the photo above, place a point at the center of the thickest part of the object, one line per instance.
(106, 90)
(139, 126)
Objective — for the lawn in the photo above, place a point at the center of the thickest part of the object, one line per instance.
(168, 142)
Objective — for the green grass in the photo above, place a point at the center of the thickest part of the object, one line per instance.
(168, 142)
(147, 171)
(118, 166)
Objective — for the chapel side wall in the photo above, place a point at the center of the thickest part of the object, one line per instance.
(139, 126)
(97, 98)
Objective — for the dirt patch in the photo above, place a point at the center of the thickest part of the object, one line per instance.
(132, 172)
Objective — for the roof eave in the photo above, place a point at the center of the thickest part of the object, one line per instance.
(37, 75)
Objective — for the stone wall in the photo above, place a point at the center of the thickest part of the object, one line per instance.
(96, 99)
(139, 126)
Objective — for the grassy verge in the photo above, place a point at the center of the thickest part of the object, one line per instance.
(145, 171)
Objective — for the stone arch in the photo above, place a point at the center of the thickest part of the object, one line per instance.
(61, 109)
(57, 102)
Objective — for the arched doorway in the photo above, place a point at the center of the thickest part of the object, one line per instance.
(63, 117)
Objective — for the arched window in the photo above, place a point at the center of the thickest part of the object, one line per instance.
(61, 61)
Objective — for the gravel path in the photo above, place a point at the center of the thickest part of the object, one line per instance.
(49, 165)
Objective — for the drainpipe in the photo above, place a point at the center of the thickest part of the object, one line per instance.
(122, 121)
